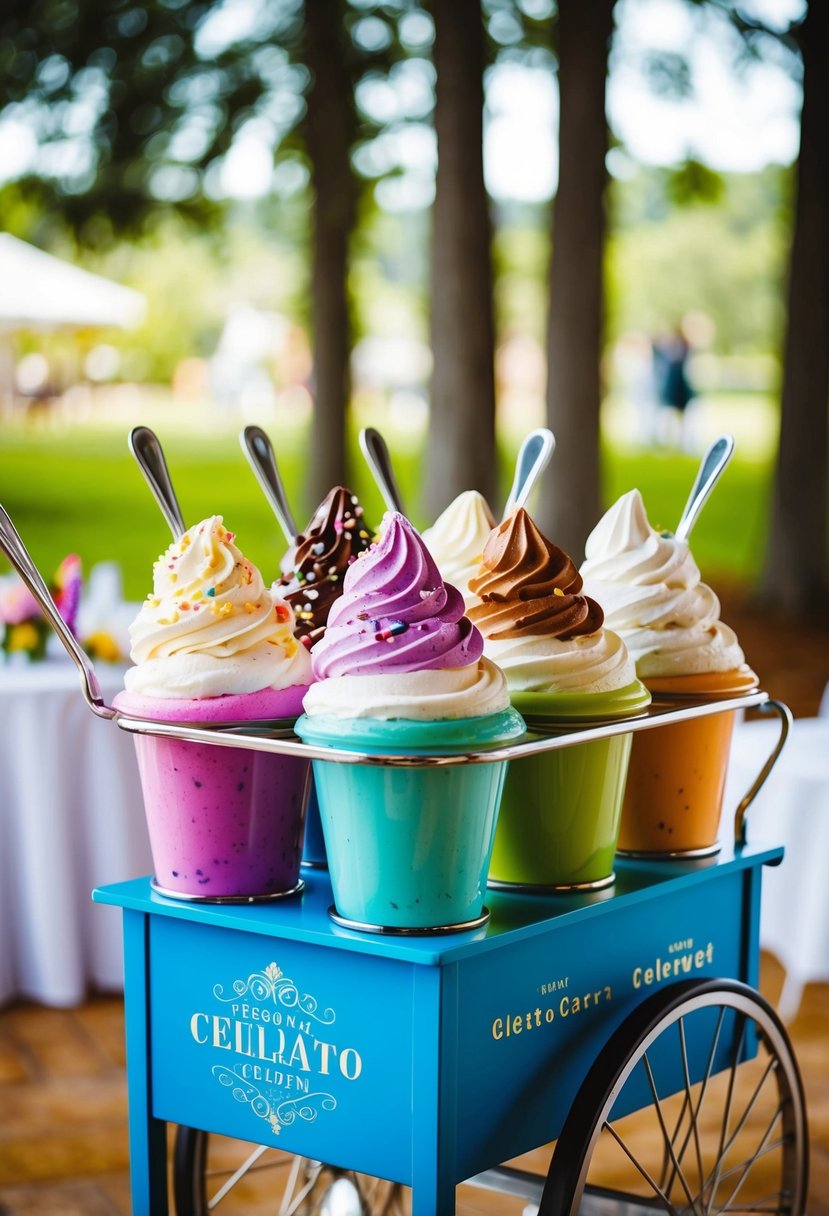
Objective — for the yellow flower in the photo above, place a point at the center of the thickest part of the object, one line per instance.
(23, 637)
(102, 645)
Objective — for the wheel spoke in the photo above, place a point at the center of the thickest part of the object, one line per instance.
(637, 1165)
(678, 1171)
(724, 1148)
(289, 1202)
(668, 1183)
(744, 1167)
(234, 1177)
(739, 1165)
(314, 1171)
(718, 1175)
(687, 1077)
(727, 1113)
(296, 1165)
(751, 1161)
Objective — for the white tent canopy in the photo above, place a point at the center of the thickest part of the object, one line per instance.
(39, 291)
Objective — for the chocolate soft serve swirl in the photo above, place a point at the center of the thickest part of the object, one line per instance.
(527, 585)
(335, 536)
(537, 625)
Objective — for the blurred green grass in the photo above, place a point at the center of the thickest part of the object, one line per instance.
(79, 490)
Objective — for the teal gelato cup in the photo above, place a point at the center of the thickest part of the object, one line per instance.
(408, 847)
(561, 810)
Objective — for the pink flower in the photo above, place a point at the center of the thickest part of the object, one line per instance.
(17, 604)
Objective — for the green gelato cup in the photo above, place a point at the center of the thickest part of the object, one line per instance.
(408, 847)
(561, 810)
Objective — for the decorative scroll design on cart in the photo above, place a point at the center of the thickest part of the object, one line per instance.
(276, 1115)
(271, 985)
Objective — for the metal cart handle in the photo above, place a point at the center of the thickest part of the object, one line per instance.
(740, 814)
(16, 552)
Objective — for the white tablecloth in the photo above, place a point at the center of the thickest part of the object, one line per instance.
(792, 809)
(71, 818)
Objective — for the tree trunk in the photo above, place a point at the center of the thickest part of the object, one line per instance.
(796, 576)
(461, 445)
(570, 498)
(329, 125)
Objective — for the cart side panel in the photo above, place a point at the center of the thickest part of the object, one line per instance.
(280, 1042)
(532, 1018)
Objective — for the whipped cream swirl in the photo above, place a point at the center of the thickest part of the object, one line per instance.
(653, 595)
(211, 627)
(457, 538)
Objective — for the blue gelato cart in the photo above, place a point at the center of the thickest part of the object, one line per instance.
(429, 1060)
(622, 1022)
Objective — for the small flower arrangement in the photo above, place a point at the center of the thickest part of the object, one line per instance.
(103, 645)
(25, 629)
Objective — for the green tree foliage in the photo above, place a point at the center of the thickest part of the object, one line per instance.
(136, 108)
(134, 105)
(732, 258)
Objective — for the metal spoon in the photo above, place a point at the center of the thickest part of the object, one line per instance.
(711, 466)
(379, 461)
(531, 461)
(257, 447)
(147, 451)
(16, 552)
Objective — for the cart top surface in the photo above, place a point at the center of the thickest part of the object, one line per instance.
(512, 916)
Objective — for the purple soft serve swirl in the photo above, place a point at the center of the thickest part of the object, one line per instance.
(396, 613)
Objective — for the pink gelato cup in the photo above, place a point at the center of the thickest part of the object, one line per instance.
(226, 824)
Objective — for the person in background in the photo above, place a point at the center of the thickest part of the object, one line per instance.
(675, 392)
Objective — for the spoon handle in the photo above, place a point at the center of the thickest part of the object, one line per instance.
(711, 466)
(379, 461)
(258, 448)
(16, 552)
(531, 461)
(147, 451)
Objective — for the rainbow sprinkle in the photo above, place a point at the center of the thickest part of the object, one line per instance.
(394, 630)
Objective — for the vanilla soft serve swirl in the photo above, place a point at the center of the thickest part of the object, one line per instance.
(211, 627)
(652, 594)
(457, 538)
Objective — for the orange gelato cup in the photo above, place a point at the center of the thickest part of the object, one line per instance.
(676, 776)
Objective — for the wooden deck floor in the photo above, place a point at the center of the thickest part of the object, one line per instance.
(63, 1120)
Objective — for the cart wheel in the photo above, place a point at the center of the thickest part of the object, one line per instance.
(212, 1173)
(720, 1122)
